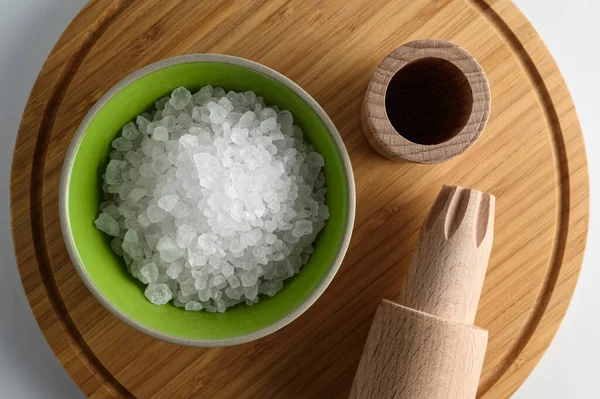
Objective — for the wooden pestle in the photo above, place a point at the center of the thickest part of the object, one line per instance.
(423, 345)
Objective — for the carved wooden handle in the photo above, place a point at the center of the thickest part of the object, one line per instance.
(424, 345)
(446, 273)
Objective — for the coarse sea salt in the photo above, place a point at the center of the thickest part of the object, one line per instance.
(213, 199)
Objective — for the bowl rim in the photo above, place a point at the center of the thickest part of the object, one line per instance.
(68, 167)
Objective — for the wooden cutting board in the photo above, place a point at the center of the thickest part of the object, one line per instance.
(531, 156)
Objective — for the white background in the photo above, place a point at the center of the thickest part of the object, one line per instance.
(29, 29)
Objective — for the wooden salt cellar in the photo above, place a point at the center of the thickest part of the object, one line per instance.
(427, 102)
(423, 345)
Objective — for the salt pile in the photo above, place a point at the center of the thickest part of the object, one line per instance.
(213, 199)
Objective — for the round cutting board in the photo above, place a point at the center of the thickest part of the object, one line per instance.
(531, 156)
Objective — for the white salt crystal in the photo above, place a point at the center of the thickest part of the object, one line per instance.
(239, 135)
(107, 224)
(161, 164)
(218, 199)
(252, 292)
(283, 270)
(130, 131)
(220, 305)
(315, 159)
(112, 211)
(204, 295)
(113, 172)
(286, 120)
(270, 226)
(160, 103)
(168, 122)
(270, 239)
(174, 270)
(146, 170)
(207, 243)
(228, 270)
(150, 273)
(158, 294)
(155, 214)
(185, 236)
(122, 144)
(268, 124)
(131, 236)
(133, 248)
(135, 159)
(136, 194)
(142, 123)
(169, 251)
(201, 282)
(226, 104)
(204, 94)
(172, 146)
(193, 305)
(217, 113)
(188, 141)
(160, 134)
(201, 161)
(144, 220)
(247, 119)
(168, 202)
(270, 287)
(233, 281)
(217, 280)
(236, 246)
(151, 127)
(218, 92)
(302, 228)
(184, 120)
(268, 113)
(248, 279)
(180, 98)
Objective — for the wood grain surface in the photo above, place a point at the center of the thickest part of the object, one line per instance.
(531, 157)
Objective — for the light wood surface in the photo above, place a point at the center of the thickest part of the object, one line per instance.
(424, 344)
(413, 355)
(531, 157)
(427, 102)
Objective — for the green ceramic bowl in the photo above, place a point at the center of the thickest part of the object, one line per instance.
(105, 274)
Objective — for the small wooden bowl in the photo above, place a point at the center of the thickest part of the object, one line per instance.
(427, 102)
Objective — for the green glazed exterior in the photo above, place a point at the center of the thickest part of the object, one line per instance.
(105, 273)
